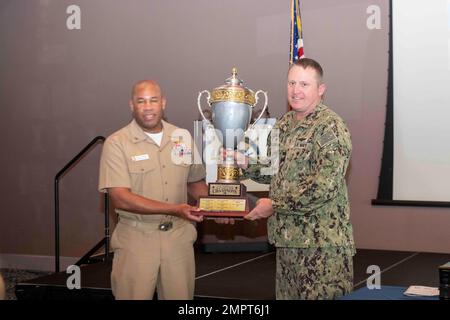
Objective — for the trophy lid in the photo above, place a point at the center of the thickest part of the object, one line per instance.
(233, 90)
(234, 80)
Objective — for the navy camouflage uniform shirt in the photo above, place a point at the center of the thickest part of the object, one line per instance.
(309, 192)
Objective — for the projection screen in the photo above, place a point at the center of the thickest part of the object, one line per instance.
(421, 96)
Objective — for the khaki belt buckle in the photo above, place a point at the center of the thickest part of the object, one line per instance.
(165, 226)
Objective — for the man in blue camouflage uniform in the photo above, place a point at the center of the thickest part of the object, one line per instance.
(308, 207)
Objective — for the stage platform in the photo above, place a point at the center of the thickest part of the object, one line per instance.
(242, 275)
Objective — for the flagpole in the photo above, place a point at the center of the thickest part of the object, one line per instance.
(291, 46)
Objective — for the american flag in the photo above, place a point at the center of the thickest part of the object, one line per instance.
(296, 33)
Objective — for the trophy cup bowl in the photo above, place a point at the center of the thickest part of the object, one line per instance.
(231, 107)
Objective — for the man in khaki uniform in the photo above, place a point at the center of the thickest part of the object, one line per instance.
(147, 169)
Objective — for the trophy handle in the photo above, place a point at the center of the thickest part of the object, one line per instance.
(199, 103)
(263, 110)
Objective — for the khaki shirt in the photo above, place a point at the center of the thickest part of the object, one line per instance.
(131, 159)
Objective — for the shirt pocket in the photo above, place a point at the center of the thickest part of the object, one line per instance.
(181, 173)
(140, 172)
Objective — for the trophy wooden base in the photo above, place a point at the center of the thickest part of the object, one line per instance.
(225, 207)
(226, 200)
(222, 214)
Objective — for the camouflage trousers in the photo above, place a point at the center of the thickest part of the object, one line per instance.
(314, 273)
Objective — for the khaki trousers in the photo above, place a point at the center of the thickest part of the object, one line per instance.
(146, 258)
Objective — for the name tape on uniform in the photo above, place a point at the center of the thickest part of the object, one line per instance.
(140, 157)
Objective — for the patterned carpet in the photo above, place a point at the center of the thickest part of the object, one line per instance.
(14, 276)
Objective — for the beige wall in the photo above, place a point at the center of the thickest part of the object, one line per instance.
(61, 88)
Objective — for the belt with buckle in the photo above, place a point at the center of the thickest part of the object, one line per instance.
(165, 226)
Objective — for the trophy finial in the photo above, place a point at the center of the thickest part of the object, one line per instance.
(234, 80)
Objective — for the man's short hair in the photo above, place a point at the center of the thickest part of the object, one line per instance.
(309, 63)
(142, 83)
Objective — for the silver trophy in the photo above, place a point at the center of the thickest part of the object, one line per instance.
(231, 108)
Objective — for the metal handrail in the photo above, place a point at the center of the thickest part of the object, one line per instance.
(56, 190)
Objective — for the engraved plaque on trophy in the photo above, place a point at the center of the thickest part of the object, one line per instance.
(231, 108)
